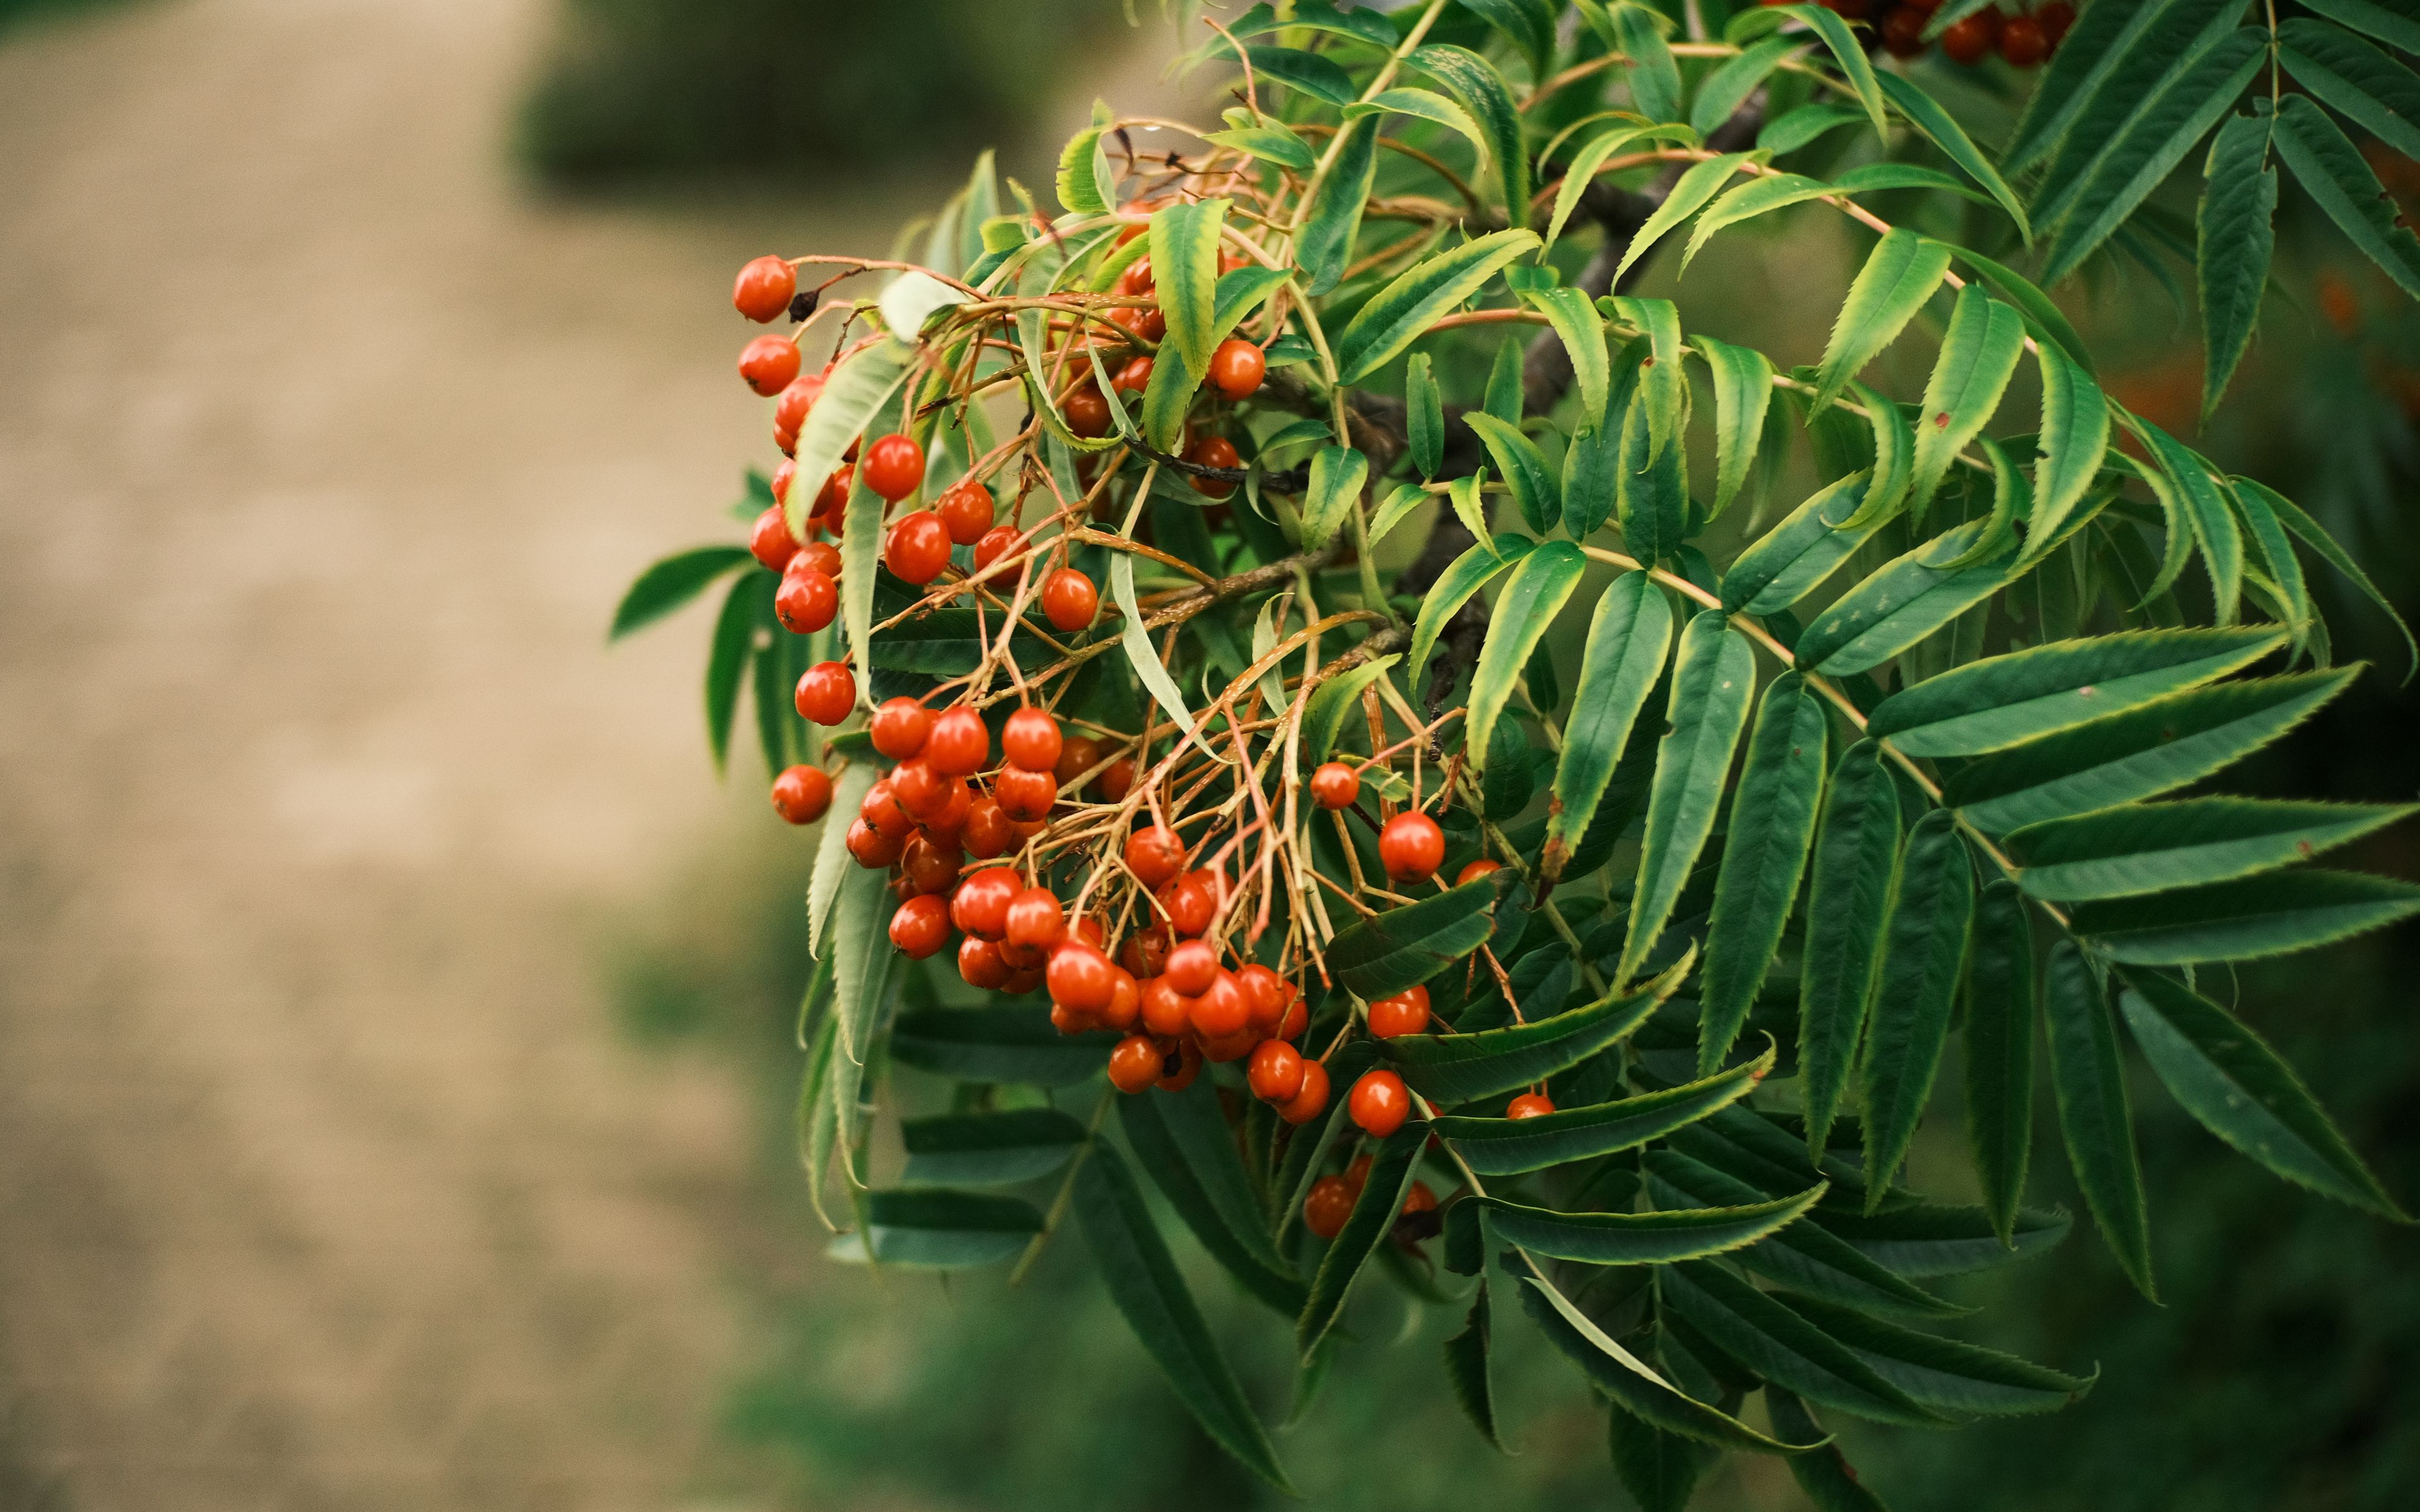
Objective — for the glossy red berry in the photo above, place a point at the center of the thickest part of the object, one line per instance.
(1297, 1018)
(884, 814)
(1265, 991)
(1970, 40)
(1380, 1102)
(920, 927)
(1166, 1012)
(1187, 1060)
(1411, 847)
(1398, 1015)
(1335, 785)
(1134, 376)
(957, 743)
(1329, 1205)
(1222, 1010)
(979, 962)
(1530, 1105)
(763, 289)
(806, 601)
(1212, 452)
(1236, 367)
(1145, 952)
(1193, 967)
(1035, 920)
(987, 832)
(1420, 1199)
(832, 499)
(894, 466)
(967, 508)
(792, 406)
(1149, 321)
(1031, 739)
(1136, 278)
(1311, 1101)
(918, 547)
(1081, 977)
(921, 791)
(801, 793)
(1078, 755)
(1087, 412)
(870, 848)
(1025, 796)
(980, 906)
(827, 692)
(1135, 1064)
(1125, 1000)
(1115, 782)
(993, 546)
(2024, 42)
(770, 540)
(1275, 1071)
(821, 556)
(1069, 599)
(900, 727)
(769, 363)
(933, 869)
(1476, 869)
(1191, 902)
(1156, 855)
(2055, 18)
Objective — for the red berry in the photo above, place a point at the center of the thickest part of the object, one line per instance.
(899, 727)
(1327, 1207)
(1476, 869)
(1087, 412)
(980, 906)
(1125, 1000)
(1030, 740)
(1311, 1101)
(1398, 1015)
(782, 477)
(1136, 278)
(957, 743)
(1022, 980)
(1077, 754)
(1275, 1071)
(894, 466)
(1236, 367)
(966, 507)
(883, 812)
(987, 831)
(1221, 1008)
(1134, 376)
(870, 848)
(1335, 785)
(1380, 1102)
(1903, 31)
(1155, 856)
(832, 499)
(1419, 1198)
(1069, 599)
(958, 798)
(806, 601)
(1193, 967)
(1115, 782)
(1222, 1048)
(2055, 18)
(801, 793)
(1135, 1064)
(1267, 992)
(1166, 1012)
(827, 692)
(769, 363)
(918, 547)
(1212, 452)
(790, 408)
(1191, 902)
(2024, 42)
(764, 288)
(770, 540)
(1025, 796)
(934, 869)
(921, 791)
(1411, 847)
(1149, 321)
(1035, 919)
(1297, 1018)
(822, 556)
(1081, 977)
(1188, 1060)
(1530, 1105)
(979, 962)
(993, 546)
(920, 927)
(1970, 40)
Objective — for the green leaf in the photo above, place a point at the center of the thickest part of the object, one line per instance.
(1782, 1347)
(1583, 172)
(1661, 379)
(726, 660)
(1743, 382)
(1924, 954)
(1796, 555)
(1806, 1258)
(1397, 314)
(1923, 1238)
(1522, 615)
(2379, 93)
(2079, 75)
(2238, 205)
(2239, 1088)
(987, 1148)
(1528, 24)
(1651, 485)
(2000, 1053)
(1424, 415)
(2138, 754)
(1635, 1238)
(1140, 654)
(2149, 847)
(1951, 1378)
(1978, 355)
(1581, 331)
(2047, 322)
(2093, 1116)
(1713, 678)
(2327, 164)
(1653, 75)
(1470, 506)
(1315, 74)
(931, 1230)
(1182, 1140)
(1270, 142)
(1325, 247)
(1729, 86)
(2243, 920)
(1899, 275)
(2285, 569)
(1335, 699)
(2074, 439)
(1992, 704)
(2214, 526)
(1851, 55)
(668, 585)
(1483, 91)
(1184, 267)
(1771, 829)
(1823, 1473)
(1847, 897)
(995, 1044)
(1659, 1470)
(1373, 1215)
(1451, 1068)
(855, 392)
(1149, 1290)
(833, 864)
(1428, 105)
(1628, 638)
(2316, 536)
(1086, 183)
(1465, 1368)
(1466, 574)
(1523, 468)
(1894, 470)
(1689, 195)
(1926, 114)
(1401, 948)
(2376, 17)
(1804, 125)
(1338, 475)
(1320, 16)
(1508, 1147)
(1904, 601)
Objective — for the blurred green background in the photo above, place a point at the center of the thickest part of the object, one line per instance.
(399, 1078)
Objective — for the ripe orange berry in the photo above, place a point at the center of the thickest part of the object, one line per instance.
(1191, 902)
(918, 547)
(1297, 1017)
(1115, 782)
(1125, 1000)
(993, 546)
(1165, 1010)
(763, 289)
(792, 406)
(806, 601)
(920, 927)
(1380, 1102)
(1087, 412)
(1275, 1071)
(967, 508)
(1221, 1009)
(1069, 600)
(1155, 856)
(1080, 977)
(1311, 1101)
(832, 499)
(870, 848)
(883, 812)
(801, 793)
(770, 540)
(1399, 1014)
(1031, 739)
(894, 466)
(933, 868)
(1134, 376)
(1212, 452)
(1267, 992)
(780, 483)
(1335, 785)
(1025, 796)
(1476, 869)
(1193, 967)
(1411, 847)
(1970, 40)
(1420, 1199)
(2024, 42)
(1136, 278)
(900, 727)
(827, 692)
(1035, 920)
(980, 906)
(1077, 754)
(1330, 1204)
(1236, 367)
(979, 964)
(1530, 1105)
(987, 832)
(769, 363)
(822, 556)
(1135, 1064)
(1148, 321)
(956, 744)
(1187, 1058)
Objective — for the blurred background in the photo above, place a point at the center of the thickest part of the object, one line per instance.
(394, 1055)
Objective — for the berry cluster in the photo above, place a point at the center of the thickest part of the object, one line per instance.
(1236, 368)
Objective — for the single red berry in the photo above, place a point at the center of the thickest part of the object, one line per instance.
(769, 363)
(1068, 1019)
(1145, 952)
(1970, 40)
(1311, 1101)
(821, 556)
(1031, 739)
(1411, 847)
(920, 927)
(781, 481)
(2024, 42)
(1221, 1008)
(1136, 279)
(966, 507)
(1902, 31)
(1148, 321)
(1087, 412)
(1192, 901)
(1166, 1012)
(1530, 1105)
(1116, 781)
(1134, 376)
(1398, 1015)
(1335, 785)
(806, 602)
(900, 727)
(1193, 967)
(980, 906)
(1219, 1049)
(770, 540)
(827, 692)
(956, 744)
(987, 831)
(1081, 977)
(918, 547)
(1155, 856)
(871, 849)
(1022, 980)
(2055, 18)
(1184, 1063)
(1135, 1064)
(832, 499)
(1476, 869)
(763, 289)
(934, 869)
(801, 793)
(1212, 452)
(1025, 796)
(1265, 991)
(1420, 1199)
(1077, 754)
(979, 962)
(894, 466)
(884, 814)
(994, 545)
(1035, 919)
(1275, 1071)
(1125, 1000)
(1297, 1018)
(1236, 367)
(792, 406)
(1069, 599)
(1380, 1102)
(1327, 1207)
(958, 798)
(921, 791)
